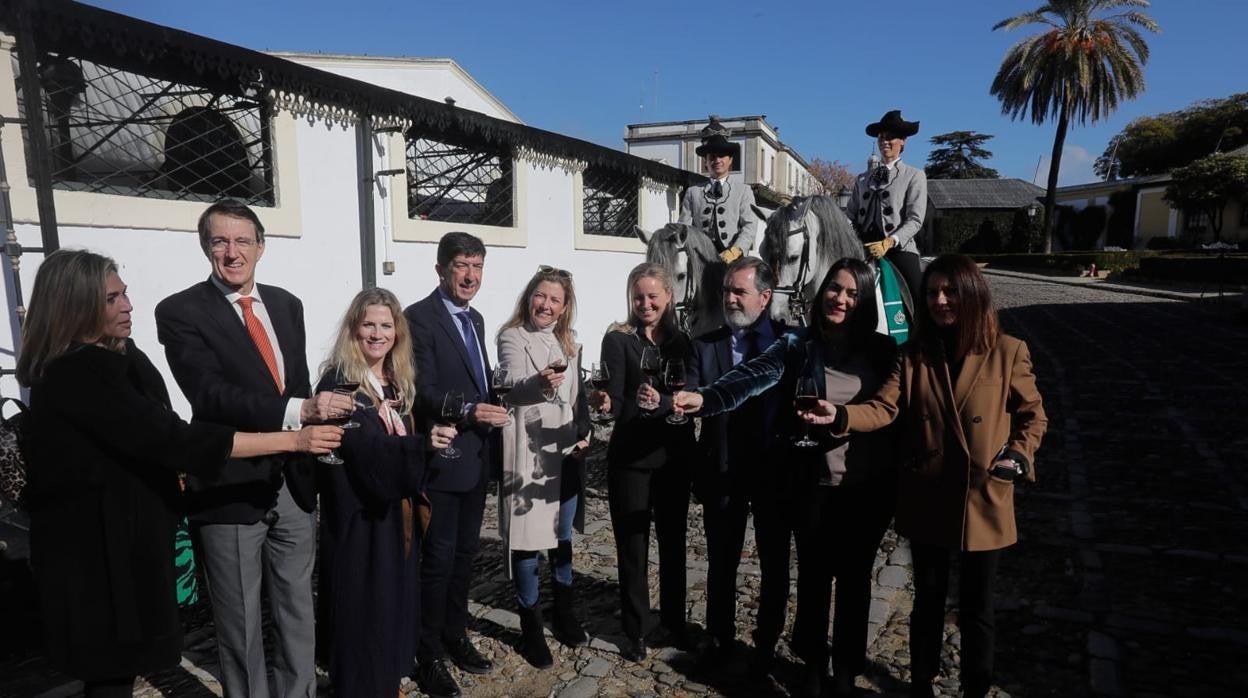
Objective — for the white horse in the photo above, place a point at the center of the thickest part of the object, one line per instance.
(697, 274)
(801, 242)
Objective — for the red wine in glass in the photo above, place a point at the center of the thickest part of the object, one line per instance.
(674, 380)
(806, 397)
(558, 365)
(806, 403)
(452, 414)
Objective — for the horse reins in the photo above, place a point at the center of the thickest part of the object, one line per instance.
(797, 297)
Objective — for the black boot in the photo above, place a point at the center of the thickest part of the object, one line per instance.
(563, 620)
(532, 645)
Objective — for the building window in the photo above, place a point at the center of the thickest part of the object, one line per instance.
(609, 202)
(1196, 221)
(112, 131)
(456, 179)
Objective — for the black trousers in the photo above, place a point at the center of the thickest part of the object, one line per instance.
(109, 688)
(977, 574)
(840, 544)
(633, 496)
(725, 521)
(908, 264)
(448, 550)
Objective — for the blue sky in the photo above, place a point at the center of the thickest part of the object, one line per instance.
(820, 71)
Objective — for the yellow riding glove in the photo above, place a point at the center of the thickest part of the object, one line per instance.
(881, 248)
(730, 255)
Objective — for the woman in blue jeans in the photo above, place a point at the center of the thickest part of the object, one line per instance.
(540, 497)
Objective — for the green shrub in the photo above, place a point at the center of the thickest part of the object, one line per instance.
(975, 232)
(1210, 267)
(1069, 263)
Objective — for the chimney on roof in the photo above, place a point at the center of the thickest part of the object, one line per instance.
(450, 101)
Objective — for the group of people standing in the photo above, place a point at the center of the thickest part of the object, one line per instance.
(820, 433)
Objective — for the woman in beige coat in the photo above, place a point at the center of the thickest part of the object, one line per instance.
(540, 497)
(971, 420)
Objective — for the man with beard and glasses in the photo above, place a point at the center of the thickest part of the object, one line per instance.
(729, 473)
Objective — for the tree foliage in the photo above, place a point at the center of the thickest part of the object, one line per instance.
(832, 176)
(1157, 144)
(957, 156)
(1207, 184)
(1088, 57)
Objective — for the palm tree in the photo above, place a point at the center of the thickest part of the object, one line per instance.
(1090, 57)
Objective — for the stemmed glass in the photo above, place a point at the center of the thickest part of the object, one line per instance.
(558, 363)
(599, 379)
(651, 366)
(346, 422)
(806, 397)
(674, 380)
(502, 383)
(452, 414)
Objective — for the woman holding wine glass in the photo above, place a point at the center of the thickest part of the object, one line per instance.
(372, 505)
(103, 451)
(647, 459)
(841, 490)
(970, 419)
(541, 496)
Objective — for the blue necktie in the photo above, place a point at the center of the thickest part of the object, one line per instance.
(474, 353)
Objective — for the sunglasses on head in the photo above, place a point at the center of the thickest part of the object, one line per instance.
(561, 273)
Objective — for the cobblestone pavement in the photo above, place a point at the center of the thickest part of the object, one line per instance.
(1128, 578)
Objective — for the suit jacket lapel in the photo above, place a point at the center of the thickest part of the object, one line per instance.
(222, 313)
(723, 353)
(450, 326)
(285, 332)
(971, 368)
(940, 378)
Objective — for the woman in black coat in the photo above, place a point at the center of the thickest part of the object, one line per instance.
(103, 450)
(647, 461)
(372, 504)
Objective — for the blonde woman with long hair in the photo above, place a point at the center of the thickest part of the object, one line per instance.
(103, 451)
(371, 504)
(541, 497)
(647, 459)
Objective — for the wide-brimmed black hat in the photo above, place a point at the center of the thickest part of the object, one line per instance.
(717, 144)
(894, 124)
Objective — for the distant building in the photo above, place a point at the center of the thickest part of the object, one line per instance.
(775, 171)
(957, 206)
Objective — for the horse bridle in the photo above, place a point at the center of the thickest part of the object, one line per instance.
(798, 303)
(685, 307)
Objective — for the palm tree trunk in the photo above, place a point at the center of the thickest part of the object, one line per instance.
(1055, 166)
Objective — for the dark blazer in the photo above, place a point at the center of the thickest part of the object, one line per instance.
(442, 366)
(222, 375)
(640, 439)
(103, 450)
(712, 358)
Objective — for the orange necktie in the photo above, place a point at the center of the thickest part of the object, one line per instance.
(261, 338)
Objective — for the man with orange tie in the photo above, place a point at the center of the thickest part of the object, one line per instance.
(236, 348)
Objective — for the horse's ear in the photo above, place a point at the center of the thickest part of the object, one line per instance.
(682, 235)
(762, 215)
(806, 201)
(642, 234)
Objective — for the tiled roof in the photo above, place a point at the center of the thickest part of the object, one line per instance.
(982, 193)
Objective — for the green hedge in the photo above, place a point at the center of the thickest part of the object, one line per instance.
(1067, 262)
(1222, 269)
(970, 232)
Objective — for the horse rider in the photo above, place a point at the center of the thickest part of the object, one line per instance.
(890, 201)
(721, 208)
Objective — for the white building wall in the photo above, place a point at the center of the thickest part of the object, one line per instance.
(322, 265)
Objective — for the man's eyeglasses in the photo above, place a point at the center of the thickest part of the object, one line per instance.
(561, 273)
(220, 244)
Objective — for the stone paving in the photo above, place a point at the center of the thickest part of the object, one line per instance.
(1128, 578)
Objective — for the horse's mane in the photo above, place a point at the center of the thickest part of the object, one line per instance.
(838, 239)
(775, 236)
(660, 251)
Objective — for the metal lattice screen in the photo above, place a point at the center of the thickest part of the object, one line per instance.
(117, 132)
(461, 182)
(610, 202)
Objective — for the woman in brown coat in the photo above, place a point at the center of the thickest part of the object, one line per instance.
(971, 419)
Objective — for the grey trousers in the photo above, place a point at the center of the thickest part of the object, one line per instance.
(238, 558)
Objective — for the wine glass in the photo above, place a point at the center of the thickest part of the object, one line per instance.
(674, 380)
(501, 382)
(558, 363)
(452, 414)
(345, 421)
(651, 366)
(806, 396)
(599, 379)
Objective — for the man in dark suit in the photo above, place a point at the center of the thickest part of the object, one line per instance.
(730, 478)
(448, 338)
(237, 351)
